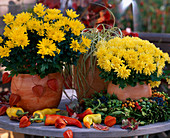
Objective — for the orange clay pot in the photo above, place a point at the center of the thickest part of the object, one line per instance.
(22, 85)
(92, 82)
(134, 93)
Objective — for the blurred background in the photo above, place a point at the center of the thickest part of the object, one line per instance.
(139, 15)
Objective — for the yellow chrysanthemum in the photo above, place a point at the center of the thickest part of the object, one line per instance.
(39, 9)
(10, 44)
(76, 27)
(7, 31)
(1, 40)
(123, 72)
(8, 18)
(154, 83)
(82, 48)
(86, 41)
(47, 47)
(58, 36)
(75, 45)
(168, 80)
(22, 18)
(72, 14)
(52, 14)
(139, 66)
(4, 51)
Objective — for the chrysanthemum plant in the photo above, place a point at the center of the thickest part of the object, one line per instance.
(41, 42)
(130, 60)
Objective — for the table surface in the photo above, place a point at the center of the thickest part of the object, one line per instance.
(41, 130)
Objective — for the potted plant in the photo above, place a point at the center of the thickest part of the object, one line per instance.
(35, 48)
(131, 65)
(86, 76)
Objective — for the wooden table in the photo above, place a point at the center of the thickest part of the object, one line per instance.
(41, 130)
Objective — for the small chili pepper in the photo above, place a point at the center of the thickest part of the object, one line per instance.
(110, 121)
(70, 111)
(60, 123)
(3, 110)
(15, 112)
(42, 113)
(24, 122)
(68, 134)
(89, 119)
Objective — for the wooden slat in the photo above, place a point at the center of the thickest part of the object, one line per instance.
(156, 37)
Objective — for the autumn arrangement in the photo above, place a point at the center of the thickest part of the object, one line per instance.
(45, 42)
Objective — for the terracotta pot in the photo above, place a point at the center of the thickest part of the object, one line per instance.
(89, 83)
(22, 85)
(134, 93)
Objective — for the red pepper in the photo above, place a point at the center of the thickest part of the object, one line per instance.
(70, 111)
(60, 123)
(68, 134)
(51, 119)
(86, 112)
(24, 122)
(72, 121)
(3, 110)
(110, 121)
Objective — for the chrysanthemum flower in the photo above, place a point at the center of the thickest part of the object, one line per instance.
(47, 47)
(72, 14)
(8, 18)
(75, 45)
(39, 9)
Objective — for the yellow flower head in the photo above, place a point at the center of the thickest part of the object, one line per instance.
(52, 14)
(86, 41)
(75, 45)
(154, 83)
(8, 18)
(22, 18)
(72, 14)
(123, 72)
(39, 10)
(4, 51)
(1, 40)
(47, 47)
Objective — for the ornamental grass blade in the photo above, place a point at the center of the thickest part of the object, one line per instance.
(14, 99)
(5, 78)
(53, 84)
(38, 90)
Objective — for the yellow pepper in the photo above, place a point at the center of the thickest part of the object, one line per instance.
(41, 113)
(15, 112)
(89, 119)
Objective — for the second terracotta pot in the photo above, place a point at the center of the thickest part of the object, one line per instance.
(134, 93)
